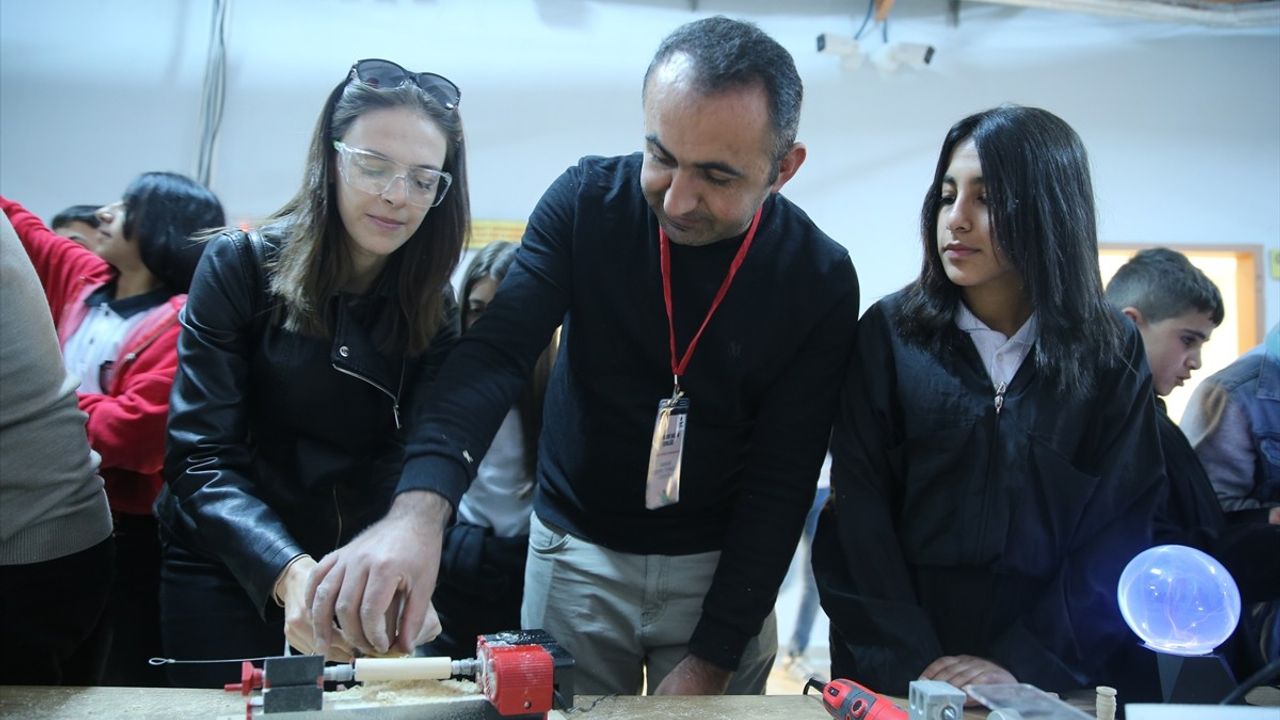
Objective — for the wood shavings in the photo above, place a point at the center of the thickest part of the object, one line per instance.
(402, 692)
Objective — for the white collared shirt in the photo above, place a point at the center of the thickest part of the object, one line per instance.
(1001, 355)
(92, 349)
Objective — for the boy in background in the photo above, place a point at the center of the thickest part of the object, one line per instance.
(79, 223)
(1176, 308)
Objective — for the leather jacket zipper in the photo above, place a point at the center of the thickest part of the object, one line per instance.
(395, 397)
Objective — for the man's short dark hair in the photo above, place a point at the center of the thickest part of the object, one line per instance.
(1162, 283)
(87, 214)
(728, 54)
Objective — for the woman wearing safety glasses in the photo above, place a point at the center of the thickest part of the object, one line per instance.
(305, 347)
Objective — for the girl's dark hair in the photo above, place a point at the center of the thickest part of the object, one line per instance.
(1041, 211)
(313, 262)
(493, 262)
(87, 214)
(162, 212)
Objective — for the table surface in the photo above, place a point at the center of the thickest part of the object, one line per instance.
(68, 703)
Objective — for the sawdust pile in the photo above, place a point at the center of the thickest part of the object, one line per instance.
(404, 692)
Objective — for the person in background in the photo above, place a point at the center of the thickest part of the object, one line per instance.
(78, 223)
(795, 657)
(116, 312)
(706, 324)
(55, 527)
(482, 564)
(1233, 421)
(996, 460)
(308, 347)
(1176, 309)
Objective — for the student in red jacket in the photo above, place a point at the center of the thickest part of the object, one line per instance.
(115, 307)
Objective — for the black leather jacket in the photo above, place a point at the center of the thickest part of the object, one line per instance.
(281, 443)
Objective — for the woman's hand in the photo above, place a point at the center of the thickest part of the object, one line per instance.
(291, 592)
(964, 670)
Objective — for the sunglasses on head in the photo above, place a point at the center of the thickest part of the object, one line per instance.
(386, 74)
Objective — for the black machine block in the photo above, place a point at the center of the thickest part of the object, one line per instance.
(292, 698)
(293, 670)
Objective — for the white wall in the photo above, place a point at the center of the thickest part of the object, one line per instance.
(1182, 123)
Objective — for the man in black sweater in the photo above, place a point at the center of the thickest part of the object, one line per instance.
(682, 278)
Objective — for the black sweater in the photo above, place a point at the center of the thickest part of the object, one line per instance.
(762, 385)
(956, 529)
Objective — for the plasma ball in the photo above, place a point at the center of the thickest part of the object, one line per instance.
(1179, 600)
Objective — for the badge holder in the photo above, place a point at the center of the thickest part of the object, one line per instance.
(662, 487)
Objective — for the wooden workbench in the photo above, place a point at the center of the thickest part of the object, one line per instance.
(100, 703)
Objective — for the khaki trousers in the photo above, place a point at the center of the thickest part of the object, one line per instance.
(626, 617)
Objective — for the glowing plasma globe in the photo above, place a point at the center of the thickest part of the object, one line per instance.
(1179, 600)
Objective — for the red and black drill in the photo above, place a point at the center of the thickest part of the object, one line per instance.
(847, 700)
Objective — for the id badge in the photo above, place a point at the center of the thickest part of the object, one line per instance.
(663, 485)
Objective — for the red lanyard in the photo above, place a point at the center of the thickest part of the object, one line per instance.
(664, 251)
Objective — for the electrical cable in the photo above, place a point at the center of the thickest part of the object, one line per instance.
(579, 708)
(1269, 672)
(158, 661)
(213, 92)
(871, 5)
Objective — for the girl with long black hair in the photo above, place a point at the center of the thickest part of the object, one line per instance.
(996, 461)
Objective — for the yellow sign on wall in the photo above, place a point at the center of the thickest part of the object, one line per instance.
(484, 232)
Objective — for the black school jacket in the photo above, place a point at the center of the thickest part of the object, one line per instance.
(955, 528)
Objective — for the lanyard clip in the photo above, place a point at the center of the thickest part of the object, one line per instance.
(676, 392)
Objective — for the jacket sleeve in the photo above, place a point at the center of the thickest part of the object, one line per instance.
(778, 479)
(59, 262)
(1190, 515)
(1219, 432)
(127, 427)
(884, 637)
(1069, 634)
(208, 464)
(450, 432)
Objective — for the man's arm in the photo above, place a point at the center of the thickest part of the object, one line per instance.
(376, 588)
